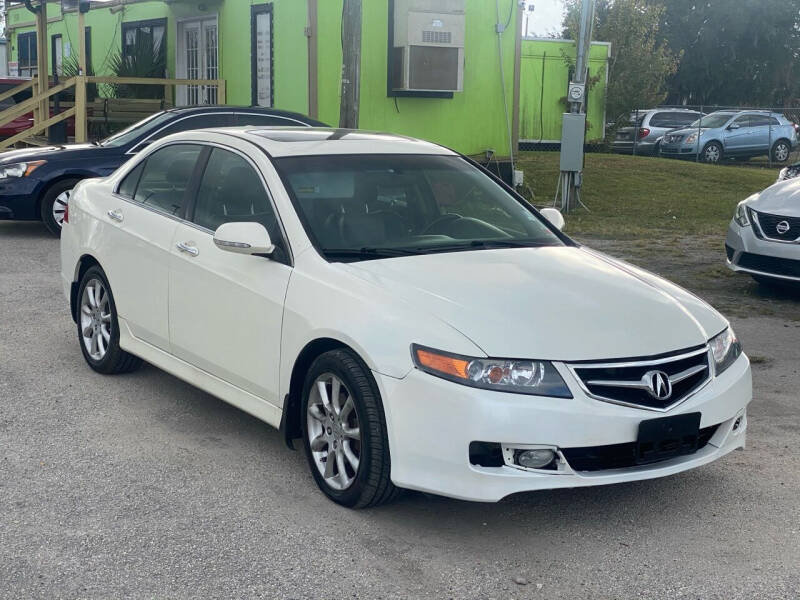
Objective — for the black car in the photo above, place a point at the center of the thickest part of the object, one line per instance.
(35, 183)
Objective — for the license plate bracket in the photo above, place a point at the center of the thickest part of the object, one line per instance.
(667, 437)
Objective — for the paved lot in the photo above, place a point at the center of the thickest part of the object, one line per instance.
(141, 486)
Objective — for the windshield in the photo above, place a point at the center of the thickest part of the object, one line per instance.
(358, 207)
(137, 130)
(712, 121)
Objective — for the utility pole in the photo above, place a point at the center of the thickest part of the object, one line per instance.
(351, 64)
(573, 131)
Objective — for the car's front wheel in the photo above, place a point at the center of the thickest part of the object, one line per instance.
(344, 431)
(712, 152)
(98, 326)
(781, 151)
(54, 204)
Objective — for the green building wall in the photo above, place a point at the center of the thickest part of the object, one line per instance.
(472, 121)
(545, 75)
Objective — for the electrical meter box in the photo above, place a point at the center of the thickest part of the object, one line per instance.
(428, 52)
(573, 133)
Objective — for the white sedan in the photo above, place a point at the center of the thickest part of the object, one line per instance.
(408, 316)
(764, 235)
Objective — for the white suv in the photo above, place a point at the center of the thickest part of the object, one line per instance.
(408, 316)
(764, 235)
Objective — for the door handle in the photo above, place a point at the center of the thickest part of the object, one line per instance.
(188, 248)
(115, 215)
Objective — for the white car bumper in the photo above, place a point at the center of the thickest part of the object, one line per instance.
(432, 423)
(747, 253)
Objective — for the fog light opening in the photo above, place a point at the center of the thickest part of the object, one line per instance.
(737, 423)
(537, 458)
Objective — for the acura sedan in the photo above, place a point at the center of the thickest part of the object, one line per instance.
(764, 235)
(405, 314)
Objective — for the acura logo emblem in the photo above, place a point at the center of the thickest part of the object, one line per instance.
(658, 384)
(782, 227)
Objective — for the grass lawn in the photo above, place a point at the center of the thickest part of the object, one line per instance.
(634, 196)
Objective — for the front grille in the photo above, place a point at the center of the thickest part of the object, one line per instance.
(617, 456)
(770, 264)
(673, 138)
(634, 382)
(776, 227)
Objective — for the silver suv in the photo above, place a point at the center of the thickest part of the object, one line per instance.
(647, 127)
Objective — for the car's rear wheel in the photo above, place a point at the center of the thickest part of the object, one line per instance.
(344, 431)
(781, 151)
(54, 204)
(98, 326)
(712, 152)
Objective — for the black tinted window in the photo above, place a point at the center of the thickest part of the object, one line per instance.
(230, 191)
(762, 121)
(682, 119)
(743, 121)
(661, 119)
(128, 186)
(265, 121)
(166, 176)
(197, 122)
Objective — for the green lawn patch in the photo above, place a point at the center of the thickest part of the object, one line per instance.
(635, 196)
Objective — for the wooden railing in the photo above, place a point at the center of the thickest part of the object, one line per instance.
(80, 108)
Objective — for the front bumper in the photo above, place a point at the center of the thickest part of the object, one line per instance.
(432, 422)
(679, 150)
(18, 198)
(747, 253)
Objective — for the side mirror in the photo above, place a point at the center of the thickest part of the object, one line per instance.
(244, 238)
(734, 126)
(554, 216)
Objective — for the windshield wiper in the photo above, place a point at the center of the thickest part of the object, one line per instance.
(484, 244)
(368, 253)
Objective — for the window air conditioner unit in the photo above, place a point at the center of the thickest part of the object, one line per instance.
(428, 52)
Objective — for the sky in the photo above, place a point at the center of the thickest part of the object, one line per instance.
(545, 20)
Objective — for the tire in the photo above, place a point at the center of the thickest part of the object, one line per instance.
(54, 202)
(330, 425)
(712, 153)
(781, 151)
(99, 320)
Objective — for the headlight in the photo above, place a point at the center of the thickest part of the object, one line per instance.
(726, 349)
(22, 169)
(691, 139)
(740, 216)
(536, 377)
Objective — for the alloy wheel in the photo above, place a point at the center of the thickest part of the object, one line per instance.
(334, 433)
(95, 315)
(60, 206)
(781, 152)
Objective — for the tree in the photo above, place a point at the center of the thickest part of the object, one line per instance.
(735, 52)
(641, 61)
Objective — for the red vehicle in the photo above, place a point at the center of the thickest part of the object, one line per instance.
(22, 122)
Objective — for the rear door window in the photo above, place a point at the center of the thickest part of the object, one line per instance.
(165, 177)
(662, 119)
(743, 121)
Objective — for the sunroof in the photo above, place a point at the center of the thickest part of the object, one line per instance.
(319, 135)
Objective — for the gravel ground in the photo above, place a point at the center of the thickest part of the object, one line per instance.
(142, 486)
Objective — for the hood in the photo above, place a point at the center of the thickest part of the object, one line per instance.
(555, 303)
(782, 198)
(44, 153)
(686, 131)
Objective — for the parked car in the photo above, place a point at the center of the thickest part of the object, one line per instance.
(36, 183)
(764, 235)
(789, 172)
(648, 127)
(22, 122)
(410, 317)
(733, 134)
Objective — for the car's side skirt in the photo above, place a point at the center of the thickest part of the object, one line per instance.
(259, 408)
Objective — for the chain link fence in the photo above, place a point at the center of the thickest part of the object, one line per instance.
(766, 143)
